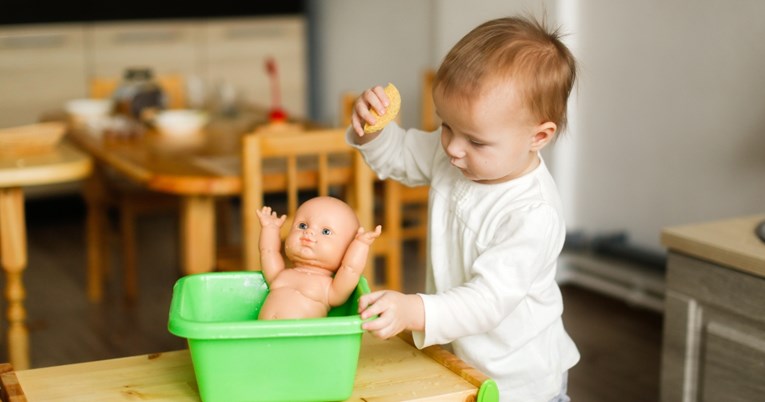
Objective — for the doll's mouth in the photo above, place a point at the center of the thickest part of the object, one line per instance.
(307, 240)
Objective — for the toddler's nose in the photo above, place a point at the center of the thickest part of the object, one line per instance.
(454, 150)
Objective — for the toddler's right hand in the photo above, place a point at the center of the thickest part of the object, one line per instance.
(373, 98)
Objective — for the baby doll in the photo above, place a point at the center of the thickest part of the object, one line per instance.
(328, 249)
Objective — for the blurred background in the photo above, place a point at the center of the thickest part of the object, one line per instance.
(667, 121)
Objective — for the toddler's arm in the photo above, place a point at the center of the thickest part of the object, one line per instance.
(352, 266)
(271, 260)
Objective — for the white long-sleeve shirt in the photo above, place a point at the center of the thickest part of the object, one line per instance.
(492, 252)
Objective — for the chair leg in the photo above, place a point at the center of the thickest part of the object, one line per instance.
(96, 236)
(393, 266)
(224, 219)
(129, 258)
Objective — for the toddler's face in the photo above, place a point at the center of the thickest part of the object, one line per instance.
(491, 138)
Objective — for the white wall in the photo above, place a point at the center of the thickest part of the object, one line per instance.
(671, 114)
(359, 43)
(667, 125)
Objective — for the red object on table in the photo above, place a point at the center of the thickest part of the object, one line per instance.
(276, 114)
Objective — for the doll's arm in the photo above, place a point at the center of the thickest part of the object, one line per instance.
(352, 266)
(271, 260)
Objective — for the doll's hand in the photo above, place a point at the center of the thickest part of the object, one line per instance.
(269, 218)
(368, 237)
(371, 98)
(396, 312)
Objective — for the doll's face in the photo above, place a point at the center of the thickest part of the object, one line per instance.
(321, 232)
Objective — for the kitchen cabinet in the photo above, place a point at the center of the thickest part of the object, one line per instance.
(236, 50)
(42, 66)
(166, 46)
(714, 323)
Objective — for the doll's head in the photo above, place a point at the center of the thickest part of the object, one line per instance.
(322, 229)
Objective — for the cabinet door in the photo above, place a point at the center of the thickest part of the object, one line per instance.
(41, 67)
(165, 46)
(236, 50)
(714, 333)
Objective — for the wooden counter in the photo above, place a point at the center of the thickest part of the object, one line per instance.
(714, 319)
(730, 242)
(388, 370)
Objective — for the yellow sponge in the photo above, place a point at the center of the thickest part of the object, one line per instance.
(390, 112)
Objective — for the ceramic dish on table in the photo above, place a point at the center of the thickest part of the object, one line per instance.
(89, 110)
(180, 122)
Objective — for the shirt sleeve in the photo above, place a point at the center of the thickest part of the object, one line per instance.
(403, 155)
(498, 281)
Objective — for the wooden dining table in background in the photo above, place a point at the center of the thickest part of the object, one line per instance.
(198, 169)
(58, 164)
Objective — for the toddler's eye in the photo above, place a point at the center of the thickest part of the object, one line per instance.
(302, 226)
(326, 232)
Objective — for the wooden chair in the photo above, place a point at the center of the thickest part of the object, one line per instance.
(303, 164)
(411, 220)
(108, 191)
(428, 118)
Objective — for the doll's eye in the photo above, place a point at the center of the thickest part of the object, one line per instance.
(302, 226)
(326, 232)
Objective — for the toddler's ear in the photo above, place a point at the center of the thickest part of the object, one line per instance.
(544, 133)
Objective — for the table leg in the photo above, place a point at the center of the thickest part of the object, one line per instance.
(96, 235)
(13, 252)
(198, 233)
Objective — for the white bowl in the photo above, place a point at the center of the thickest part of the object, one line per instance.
(180, 122)
(89, 109)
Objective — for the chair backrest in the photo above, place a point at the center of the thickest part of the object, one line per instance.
(174, 86)
(428, 120)
(313, 162)
(346, 107)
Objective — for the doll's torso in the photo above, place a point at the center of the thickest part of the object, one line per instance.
(297, 293)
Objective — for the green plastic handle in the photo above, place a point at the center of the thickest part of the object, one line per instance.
(488, 392)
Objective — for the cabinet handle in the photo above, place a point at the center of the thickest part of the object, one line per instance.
(254, 32)
(140, 37)
(32, 41)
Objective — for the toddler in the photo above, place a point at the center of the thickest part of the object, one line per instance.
(495, 218)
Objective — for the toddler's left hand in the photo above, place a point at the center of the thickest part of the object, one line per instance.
(396, 312)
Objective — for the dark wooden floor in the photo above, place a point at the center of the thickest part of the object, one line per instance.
(619, 344)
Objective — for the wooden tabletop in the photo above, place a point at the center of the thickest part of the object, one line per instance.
(388, 370)
(729, 242)
(62, 163)
(202, 164)
(195, 164)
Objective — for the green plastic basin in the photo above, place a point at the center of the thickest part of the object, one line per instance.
(238, 358)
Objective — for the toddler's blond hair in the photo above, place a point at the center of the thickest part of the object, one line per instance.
(519, 50)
